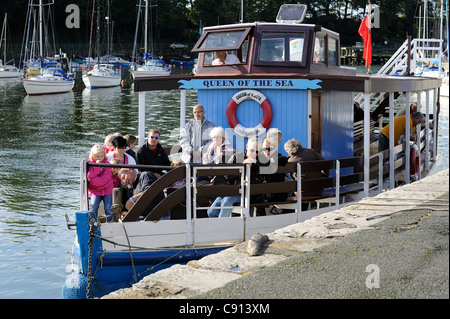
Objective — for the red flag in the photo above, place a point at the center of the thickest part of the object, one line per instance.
(366, 33)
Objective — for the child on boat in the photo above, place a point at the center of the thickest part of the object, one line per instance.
(100, 182)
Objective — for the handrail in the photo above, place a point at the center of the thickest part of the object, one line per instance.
(245, 190)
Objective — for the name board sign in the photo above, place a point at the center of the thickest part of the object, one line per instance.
(296, 84)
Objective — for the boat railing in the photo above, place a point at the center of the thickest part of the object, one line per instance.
(243, 181)
(196, 197)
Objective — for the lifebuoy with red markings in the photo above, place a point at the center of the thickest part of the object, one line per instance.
(258, 97)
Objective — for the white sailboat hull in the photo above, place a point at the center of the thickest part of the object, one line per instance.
(35, 86)
(145, 73)
(9, 74)
(96, 81)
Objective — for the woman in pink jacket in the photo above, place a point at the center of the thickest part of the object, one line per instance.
(100, 182)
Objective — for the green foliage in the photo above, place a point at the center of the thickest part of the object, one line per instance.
(180, 20)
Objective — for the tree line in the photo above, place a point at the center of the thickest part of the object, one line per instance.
(181, 20)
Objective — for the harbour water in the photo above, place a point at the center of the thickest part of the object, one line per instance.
(43, 139)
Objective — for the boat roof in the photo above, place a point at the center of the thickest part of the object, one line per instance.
(246, 41)
(55, 71)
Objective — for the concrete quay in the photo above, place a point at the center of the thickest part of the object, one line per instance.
(393, 245)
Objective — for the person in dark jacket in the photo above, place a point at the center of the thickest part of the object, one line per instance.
(139, 183)
(152, 153)
(297, 153)
(270, 159)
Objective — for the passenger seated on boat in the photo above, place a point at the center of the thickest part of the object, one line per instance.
(152, 153)
(275, 134)
(194, 137)
(115, 172)
(107, 145)
(181, 182)
(219, 150)
(249, 156)
(224, 58)
(120, 146)
(139, 183)
(269, 160)
(297, 153)
(100, 182)
(131, 143)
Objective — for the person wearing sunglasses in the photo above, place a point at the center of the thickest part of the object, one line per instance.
(270, 159)
(152, 153)
(250, 156)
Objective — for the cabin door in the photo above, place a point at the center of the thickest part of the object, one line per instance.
(316, 121)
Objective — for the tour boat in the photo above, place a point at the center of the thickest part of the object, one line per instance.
(288, 77)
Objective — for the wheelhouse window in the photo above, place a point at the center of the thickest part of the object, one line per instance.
(319, 49)
(281, 47)
(224, 47)
(332, 51)
(326, 50)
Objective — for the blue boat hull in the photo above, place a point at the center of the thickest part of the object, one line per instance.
(111, 271)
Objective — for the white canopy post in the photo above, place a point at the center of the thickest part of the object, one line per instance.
(408, 134)
(182, 108)
(141, 123)
(366, 143)
(427, 130)
(435, 124)
(391, 142)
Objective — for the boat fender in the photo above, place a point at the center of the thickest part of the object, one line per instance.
(261, 100)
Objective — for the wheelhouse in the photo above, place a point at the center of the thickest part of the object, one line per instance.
(271, 48)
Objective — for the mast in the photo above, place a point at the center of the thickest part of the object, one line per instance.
(136, 31)
(41, 38)
(108, 35)
(90, 35)
(146, 24)
(242, 12)
(97, 40)
(4, 31)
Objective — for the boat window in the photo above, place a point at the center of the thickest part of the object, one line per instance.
(281, 47)
(319, 49)
(216, 58)
(332, 51)
(225, 40)
(296, 49)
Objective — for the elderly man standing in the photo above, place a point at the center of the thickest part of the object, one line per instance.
(194, 137)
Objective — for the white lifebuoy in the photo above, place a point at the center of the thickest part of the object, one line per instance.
(261, 100)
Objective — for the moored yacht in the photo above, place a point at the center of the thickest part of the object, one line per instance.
(102, 75)
(51, 81)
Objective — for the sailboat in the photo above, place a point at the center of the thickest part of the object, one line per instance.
(102, 74)
(51, 80)
(7, 71)
(151, 67)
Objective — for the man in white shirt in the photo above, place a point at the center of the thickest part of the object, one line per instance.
(224, 58)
